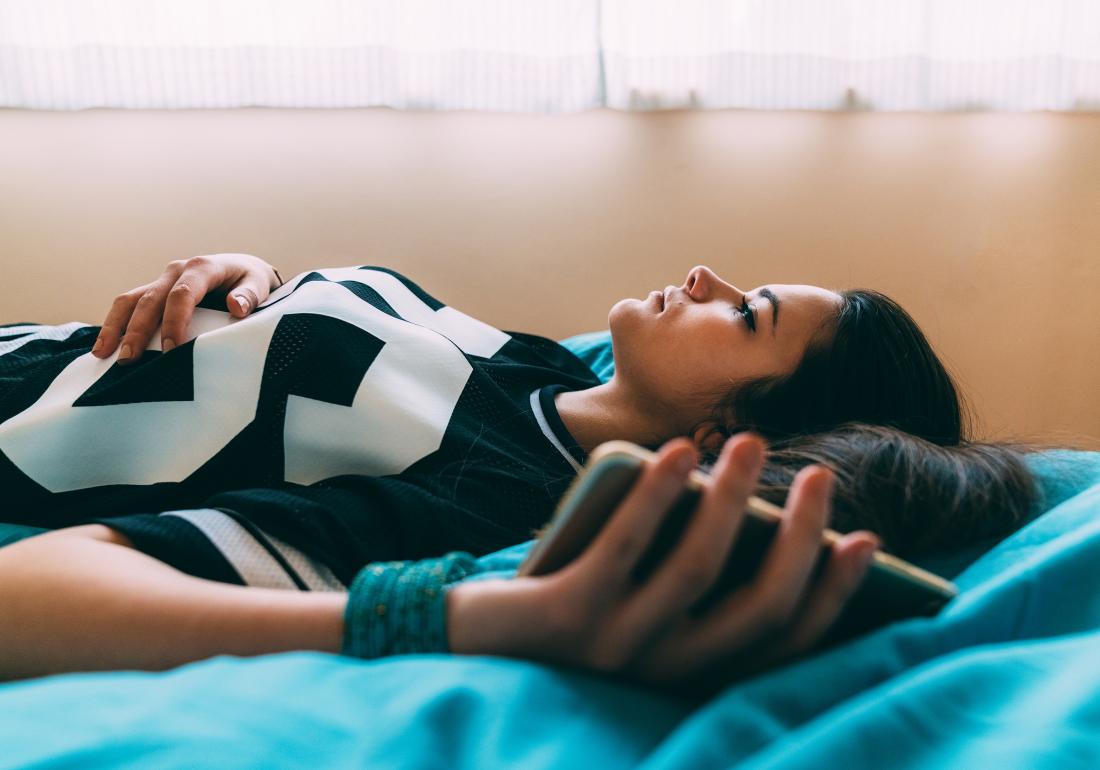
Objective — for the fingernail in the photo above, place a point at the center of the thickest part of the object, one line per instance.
(748, 455)
(98, 346)
(867, 555)
(685, 463)
(126, 352)
(241, 301)
(167, 344)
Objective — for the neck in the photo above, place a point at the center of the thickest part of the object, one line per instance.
(611, 411)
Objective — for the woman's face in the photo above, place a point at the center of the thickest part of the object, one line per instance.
(687, 346)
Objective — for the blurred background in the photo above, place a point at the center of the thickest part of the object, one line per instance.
(532, 163)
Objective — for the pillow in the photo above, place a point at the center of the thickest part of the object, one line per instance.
(594, 348)
(1059, 475)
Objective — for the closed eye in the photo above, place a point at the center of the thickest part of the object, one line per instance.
(749, 314)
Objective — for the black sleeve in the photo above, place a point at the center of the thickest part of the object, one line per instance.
(345, 523)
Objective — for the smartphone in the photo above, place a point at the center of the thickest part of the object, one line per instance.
(892, 589)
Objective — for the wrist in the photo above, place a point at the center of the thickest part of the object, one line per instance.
(397, 608)
(462, 610)
(485, 617)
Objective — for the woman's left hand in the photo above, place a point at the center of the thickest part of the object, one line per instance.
(170, 300)
(594, 614)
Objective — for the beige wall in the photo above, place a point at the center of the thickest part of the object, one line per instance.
(987, 227)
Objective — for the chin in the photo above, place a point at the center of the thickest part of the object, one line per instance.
(620, 307)
(627, 328)
(624, 310)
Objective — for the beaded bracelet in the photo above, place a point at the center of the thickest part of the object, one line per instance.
(399, 607)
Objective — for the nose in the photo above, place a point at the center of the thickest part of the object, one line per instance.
(703, 283)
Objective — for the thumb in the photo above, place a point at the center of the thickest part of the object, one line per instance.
(245, 295)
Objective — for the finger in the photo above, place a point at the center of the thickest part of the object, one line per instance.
(117, 318)
(672, 663)
(848, 563)
(612, 556)
(145, 318)
(786, 571)
(122, 310)
(769, 602)
(197, 278)
(247, 294)
(699, 557)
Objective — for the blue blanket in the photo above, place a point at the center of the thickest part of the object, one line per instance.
(1008, 675)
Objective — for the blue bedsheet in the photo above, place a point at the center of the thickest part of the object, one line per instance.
(1008, 675)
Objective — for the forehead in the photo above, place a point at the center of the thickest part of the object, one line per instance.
(803, 308)
(801, 293)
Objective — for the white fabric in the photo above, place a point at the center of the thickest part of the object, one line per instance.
(252, 561)
(244, 553)
(313, 573)
(552, 55)
(544, 425)
(32, 332)
(531, 56)
(854, 54)
(408, 394)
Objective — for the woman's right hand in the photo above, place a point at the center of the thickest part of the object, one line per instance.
(591, 613)
(170, 300)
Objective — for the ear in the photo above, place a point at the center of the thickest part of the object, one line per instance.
(708, 437)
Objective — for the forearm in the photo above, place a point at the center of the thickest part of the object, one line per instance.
(79, 604)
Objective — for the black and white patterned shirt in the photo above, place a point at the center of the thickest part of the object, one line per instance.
(351, 418)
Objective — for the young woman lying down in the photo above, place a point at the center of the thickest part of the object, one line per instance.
(318, 467)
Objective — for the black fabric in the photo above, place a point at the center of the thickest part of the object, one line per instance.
(177, 542)
(546, 399)
(123, 385)
(492, 481)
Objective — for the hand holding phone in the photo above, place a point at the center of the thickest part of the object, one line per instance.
(593, 613)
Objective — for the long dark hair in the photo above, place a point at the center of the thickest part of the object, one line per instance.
(869, 363)
(918, 496)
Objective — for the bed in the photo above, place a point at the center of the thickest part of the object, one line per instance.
(1008, 675)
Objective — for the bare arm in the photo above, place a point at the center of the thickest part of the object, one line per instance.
(80, 599)
(83, 598)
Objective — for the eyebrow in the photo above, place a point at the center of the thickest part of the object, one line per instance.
(769, 295)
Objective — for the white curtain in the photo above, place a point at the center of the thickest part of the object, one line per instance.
(552, 55)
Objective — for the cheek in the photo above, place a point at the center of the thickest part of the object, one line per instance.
(712, 376)
(709, 346)
(704, 359)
